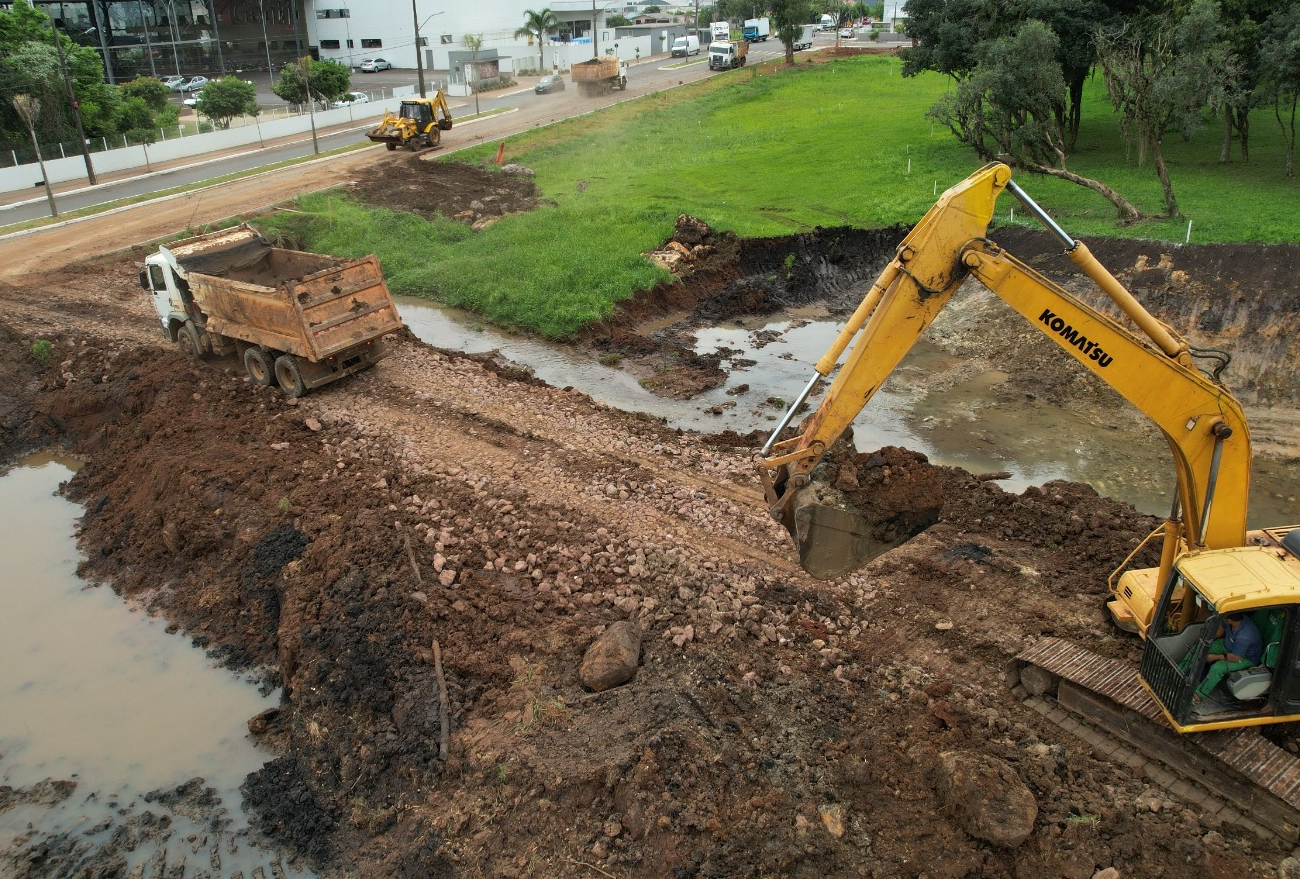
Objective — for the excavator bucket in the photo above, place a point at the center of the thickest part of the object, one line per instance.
(859, 506)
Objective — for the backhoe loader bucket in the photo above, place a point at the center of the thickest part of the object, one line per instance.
(858, 507)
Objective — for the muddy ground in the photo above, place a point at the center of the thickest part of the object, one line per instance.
(775, 725)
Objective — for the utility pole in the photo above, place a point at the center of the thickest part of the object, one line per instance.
(419, 55)
(72, 99)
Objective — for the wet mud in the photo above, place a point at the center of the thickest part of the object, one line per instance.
(776, 725)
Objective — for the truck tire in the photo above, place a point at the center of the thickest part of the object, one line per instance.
(187, 339)
(260, 366)
(289, 376)
(391, 146)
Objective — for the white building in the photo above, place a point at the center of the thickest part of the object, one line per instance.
(349, 31)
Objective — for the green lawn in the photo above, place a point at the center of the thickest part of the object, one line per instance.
(762, 154)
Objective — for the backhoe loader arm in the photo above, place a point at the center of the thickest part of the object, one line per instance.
(1201, 421)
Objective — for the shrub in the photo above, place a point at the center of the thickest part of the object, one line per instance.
(41, 351)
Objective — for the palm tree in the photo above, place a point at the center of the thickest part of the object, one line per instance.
(538, 24)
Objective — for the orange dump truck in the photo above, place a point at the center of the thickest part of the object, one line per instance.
(294, 318)
(600, 76)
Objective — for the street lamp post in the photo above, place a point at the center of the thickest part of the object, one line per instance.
(72, 99)
(266, 43)
(419, 54)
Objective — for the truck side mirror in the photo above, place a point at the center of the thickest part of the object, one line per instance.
(144, 279)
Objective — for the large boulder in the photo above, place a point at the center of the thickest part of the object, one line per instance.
(987, 797)
(612, 659)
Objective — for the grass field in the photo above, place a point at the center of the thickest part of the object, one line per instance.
(766, 152)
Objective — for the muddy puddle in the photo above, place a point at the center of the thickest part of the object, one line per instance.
(769, 360)
(108, 718)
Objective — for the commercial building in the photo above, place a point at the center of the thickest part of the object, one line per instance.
(163, 37)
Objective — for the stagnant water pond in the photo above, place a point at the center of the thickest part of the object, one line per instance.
(775, 357)
(98, 694)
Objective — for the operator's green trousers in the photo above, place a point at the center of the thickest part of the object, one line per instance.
(1217, 671)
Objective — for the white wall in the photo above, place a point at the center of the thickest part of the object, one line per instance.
(28, 177)
(443, 25)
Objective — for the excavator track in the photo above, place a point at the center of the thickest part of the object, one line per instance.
(1238, 765)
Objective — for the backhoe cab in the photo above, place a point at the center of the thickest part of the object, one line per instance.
(419, 122)
(1209, 564)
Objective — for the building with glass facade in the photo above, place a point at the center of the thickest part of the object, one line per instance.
(185, 37)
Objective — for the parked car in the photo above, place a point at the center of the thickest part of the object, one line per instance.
(350, 98)
(846, 33)
(552, 83)
(191, 102)
(194, 84)
(173, 82)
(374, 65)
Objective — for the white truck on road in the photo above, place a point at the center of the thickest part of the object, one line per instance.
(804, 39)
(721, 31)
(728, 56)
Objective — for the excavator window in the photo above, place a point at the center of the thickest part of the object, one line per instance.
(421, 113)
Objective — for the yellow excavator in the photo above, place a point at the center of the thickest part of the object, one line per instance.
(1211, 566)
(419, 122)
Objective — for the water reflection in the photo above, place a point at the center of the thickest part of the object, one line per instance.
(954, 425)
(96, 692)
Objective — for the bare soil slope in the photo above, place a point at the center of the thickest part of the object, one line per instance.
(776, 726)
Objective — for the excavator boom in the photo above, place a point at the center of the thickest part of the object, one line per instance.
(1151, 367)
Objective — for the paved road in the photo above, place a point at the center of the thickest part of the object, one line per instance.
(529, 110)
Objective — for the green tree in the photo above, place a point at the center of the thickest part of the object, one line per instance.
(1161, 71)
(538, 24)
(329, 82)
(1009, 109)
(951, 36)
(29, 64)
(1280, 54)
(223, 99)
(788, 16)
(474, 42)
(611, 21)
(151, 91)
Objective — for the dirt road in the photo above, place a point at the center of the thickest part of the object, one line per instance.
(775, 726)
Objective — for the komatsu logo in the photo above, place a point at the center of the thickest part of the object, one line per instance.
(1075, 338)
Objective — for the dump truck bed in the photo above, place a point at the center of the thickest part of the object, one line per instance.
(595, 70)
(307, 304)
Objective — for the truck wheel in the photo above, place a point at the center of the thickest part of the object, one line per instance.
(391, 146)
(289, 376)
(260, 366)
(187, 339)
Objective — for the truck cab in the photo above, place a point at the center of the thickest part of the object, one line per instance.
(170, 295)
(727, 56)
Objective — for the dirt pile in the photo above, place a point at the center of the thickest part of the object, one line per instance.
(860, 505)
(465, 193)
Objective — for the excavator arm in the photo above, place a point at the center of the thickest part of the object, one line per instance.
(1151, 367)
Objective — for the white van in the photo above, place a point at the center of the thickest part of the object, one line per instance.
(683, 46)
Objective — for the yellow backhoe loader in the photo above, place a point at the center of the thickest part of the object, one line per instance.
(419, 122)
(1210, 566)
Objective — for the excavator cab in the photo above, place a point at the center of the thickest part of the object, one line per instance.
(1261, 582)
